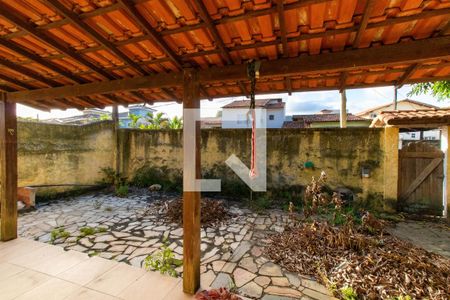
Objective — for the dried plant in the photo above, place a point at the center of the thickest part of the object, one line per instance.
(217, 294)
(375, 266)
(315, 197)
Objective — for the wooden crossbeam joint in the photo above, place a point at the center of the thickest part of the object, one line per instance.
(364, 22)
(282, 21)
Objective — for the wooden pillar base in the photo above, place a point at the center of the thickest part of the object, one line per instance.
(8, 169)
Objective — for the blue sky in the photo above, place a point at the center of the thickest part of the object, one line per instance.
(299, 103)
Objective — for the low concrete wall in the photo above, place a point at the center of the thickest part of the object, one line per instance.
(60, 154)
(340, 152)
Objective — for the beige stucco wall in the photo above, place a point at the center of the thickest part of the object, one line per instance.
(62, 154)
(339, 152)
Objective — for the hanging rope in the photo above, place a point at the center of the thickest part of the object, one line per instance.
(253, 74)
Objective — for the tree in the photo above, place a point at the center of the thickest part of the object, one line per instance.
(175, 123)
(438, 89)
(134, 120)
(158, 121)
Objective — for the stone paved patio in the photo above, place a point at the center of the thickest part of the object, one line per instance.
(231, 251)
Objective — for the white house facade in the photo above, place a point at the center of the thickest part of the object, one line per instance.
(236, 114)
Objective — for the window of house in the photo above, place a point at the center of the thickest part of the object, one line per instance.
(271, 117)
(373, 115)
(413, 135)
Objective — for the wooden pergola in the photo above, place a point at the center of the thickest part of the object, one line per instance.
(80, 53)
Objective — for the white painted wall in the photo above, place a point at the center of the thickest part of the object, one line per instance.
(415, 136)
(237, 118)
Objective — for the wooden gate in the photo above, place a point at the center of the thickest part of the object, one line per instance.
(421, 174)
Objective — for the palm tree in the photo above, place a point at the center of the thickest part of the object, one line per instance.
(157, 121)
(134, 120)
(175, 123)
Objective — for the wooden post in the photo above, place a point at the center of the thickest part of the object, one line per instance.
(191, 199)
(8, 169)
(343, 115)
(115, 118)
(446, 184)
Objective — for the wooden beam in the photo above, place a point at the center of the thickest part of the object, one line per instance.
(401, 53)
(445, 30)
(205, 93)
(302, 37)
(288, 83)
(409, 71)
(104, 87)
(8, 169)
(282, 21)
(16, 82)
(61, 9)
(397, 54)
(50, 40)
(191, 199)
(136, 15)
(364, 22)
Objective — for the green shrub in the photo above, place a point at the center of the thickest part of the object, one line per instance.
(85, 231)
(122, 191)
(348, 293)
(163, 261)
(58, 233)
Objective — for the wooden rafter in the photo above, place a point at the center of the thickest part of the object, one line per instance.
(342, 81)
(204, 15)
(364, 22)
(445, 30)
(62, 22)
(406, 75)
(282, 21)
(135, 14)
(44, 62)
(396, 54)
(288, 83)
(51, 41)
(16, 82)
(302, 37)
(28, 72)
(61, 9)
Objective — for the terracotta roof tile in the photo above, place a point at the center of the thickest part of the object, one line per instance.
(249, 29)
(261, 103)
(390, 103)
(413, 117)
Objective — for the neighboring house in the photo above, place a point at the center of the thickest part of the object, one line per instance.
(142, 111)
(406, 105)
(95, 115)
(234, 115)
(89, 116)
(325, 119)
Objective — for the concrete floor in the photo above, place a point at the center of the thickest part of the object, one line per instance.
(434, 237)
(33, 270)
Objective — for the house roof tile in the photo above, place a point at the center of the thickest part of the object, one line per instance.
(413, 117)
